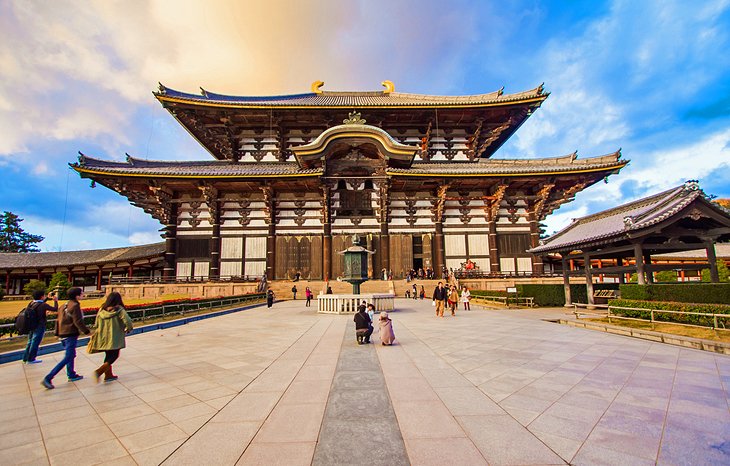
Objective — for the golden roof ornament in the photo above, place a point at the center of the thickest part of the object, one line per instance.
(389, 87)
(316, 87)
(354, 119)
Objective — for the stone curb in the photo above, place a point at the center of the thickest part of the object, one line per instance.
(17, 355)
(678, 340)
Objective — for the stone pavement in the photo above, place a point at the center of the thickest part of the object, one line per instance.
(288, 386)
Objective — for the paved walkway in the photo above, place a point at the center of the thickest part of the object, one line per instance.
(288, 386)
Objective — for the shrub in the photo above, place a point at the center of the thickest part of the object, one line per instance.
(691, 292)
(34, 285)
(672, 306)
(665, 276)
(60, 281)
(722, 270)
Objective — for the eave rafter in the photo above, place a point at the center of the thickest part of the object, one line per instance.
(543, 195)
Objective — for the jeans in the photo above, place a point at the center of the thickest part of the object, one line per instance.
(69, 344)
(34, 341)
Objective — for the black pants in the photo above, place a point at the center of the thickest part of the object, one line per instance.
(363, 334)
(111, 356)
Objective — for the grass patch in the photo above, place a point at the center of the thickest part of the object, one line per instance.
(20, 342)
(673, 329)
(12, 308)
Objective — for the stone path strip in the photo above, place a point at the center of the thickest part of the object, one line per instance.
(359, 426)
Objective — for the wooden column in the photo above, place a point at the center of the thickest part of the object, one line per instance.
(438, 247)
(589, 279)
(270, 213)
(170, 269)
(326, 233)
(7, 282)
(621, 276)
(493, 249)
(130, 271)
(649, 273)
(639, 258)
(98, 280)
(566, 284)
(537, 264)
(215, 241)
(384, 219)
(712, 259)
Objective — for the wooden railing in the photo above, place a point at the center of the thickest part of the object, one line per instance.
(348, 303)
(525, 301)
(718, 320)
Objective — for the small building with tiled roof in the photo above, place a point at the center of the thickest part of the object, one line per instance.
(295, 176)
(90, 269)
(679, 219)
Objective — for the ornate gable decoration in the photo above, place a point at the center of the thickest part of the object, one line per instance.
(354, 118)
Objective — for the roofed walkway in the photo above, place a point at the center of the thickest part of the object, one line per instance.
(285, 385)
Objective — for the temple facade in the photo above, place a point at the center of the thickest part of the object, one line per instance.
(295, 176)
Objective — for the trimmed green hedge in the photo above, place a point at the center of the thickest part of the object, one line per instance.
(549, 295)
(693, 292)
(672, 306)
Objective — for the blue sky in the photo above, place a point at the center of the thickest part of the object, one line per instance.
(652, 78)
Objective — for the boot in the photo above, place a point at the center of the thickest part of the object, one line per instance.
(101, 370)
(108, 376)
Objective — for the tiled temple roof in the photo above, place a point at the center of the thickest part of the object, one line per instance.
(38, 260)
(350, 99)
(624, 219)
(139, 167)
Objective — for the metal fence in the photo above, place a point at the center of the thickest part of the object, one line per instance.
(154, 312)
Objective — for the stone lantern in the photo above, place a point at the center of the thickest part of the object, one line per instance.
(356, 264)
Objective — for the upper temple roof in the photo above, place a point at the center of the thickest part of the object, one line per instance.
(348, 99)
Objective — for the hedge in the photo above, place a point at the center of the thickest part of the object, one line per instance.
(692, 292)
(672, 306)
(549, 295)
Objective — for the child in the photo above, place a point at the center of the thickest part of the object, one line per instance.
(387, 337)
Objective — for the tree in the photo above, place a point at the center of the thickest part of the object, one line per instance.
(13, 238)
(665, 276)
(34, 285)
(722, 270)
(59, 281)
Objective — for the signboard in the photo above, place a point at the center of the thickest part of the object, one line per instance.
(512, 289)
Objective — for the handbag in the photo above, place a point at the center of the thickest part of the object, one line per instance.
(92, 343)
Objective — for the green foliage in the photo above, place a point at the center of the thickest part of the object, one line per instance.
(687, 292)
(13, 238)
(665, 276)
(722, 270)
(34, 285)
(60, 281)
(673, 306)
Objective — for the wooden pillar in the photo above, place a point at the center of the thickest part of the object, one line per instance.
(649, 273)
(537, 264)
(600, 275)
(438, 246)
(384, 249)
(270, 212)
(7, 282)
(712, 259)
(170, 268)
(130, 271)
(215, 242)
(493, 249)
(681, 276)
(326, 233)
(566, 284)
(639, 258)
(621, 275)
(39, 275)
(589, 279)
(98, 280)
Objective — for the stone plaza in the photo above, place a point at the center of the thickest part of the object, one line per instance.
(288, 386)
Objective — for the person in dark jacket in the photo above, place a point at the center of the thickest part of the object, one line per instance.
(35, 336)
(69, 325)
(440, 295)
(363, 325)
(270, 298)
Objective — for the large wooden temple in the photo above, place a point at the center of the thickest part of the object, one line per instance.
(296, 176)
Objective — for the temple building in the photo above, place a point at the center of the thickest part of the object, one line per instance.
(295, 176)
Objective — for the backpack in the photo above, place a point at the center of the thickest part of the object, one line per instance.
(27, 320)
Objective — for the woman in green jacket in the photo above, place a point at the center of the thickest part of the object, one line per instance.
(112, 323)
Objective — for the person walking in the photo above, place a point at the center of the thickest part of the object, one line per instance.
(269, 298)
(112, 324)
(294, 291)
(387, 336)
(415, 291)
(453, 299)
(308, 295)
(39, 307)
(423, 292)
(69, 325)
(439, 298)
(465, 298)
